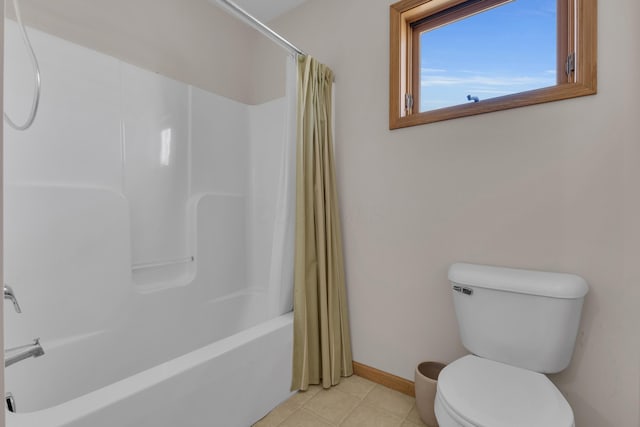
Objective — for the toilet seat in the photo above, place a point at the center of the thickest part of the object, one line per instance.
(477, 392)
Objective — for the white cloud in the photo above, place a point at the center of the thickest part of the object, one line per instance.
(445, 80)
(432, 70)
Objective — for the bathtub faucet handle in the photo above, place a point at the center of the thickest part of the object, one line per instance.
(8, 294)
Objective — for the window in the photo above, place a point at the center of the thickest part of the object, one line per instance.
(456, 58)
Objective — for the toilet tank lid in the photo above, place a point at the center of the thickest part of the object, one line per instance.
(541, 283)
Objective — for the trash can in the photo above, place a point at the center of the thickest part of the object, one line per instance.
(426, 382)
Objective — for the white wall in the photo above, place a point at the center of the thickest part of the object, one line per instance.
(192, 41)
(550, 187)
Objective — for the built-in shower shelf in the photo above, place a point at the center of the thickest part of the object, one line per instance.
(157, 276)
(162, 263)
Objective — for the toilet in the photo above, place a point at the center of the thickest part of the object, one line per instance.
(518, 325)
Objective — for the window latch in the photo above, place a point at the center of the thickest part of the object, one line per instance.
(408, 102)
(570, 65)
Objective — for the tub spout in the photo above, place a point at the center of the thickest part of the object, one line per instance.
(15, 355)
(8, 294)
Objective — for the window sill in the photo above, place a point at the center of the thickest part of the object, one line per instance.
(538, 96)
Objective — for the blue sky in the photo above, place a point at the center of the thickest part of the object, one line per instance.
(509, 49)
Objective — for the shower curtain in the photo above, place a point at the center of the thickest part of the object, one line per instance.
(282, 253)
(321, 341)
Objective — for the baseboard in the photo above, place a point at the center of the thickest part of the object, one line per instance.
(384, 378)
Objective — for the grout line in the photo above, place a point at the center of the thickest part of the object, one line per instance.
(349, 413)
(361, 402)
(383, 378)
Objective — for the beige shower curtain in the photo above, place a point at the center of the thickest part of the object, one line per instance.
(321, 340)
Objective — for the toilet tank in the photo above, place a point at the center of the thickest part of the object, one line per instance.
(523, 318)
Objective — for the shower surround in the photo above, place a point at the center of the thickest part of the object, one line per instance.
(139, 226)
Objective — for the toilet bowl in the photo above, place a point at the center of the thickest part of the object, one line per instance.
(477, 392)
(518, 325)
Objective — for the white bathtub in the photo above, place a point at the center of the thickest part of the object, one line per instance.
(231, 382)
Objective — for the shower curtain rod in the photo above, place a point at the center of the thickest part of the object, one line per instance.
(258, 25)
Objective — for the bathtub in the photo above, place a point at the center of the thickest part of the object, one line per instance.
(233, 381)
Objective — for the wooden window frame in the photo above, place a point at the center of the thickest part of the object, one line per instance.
(577, 32)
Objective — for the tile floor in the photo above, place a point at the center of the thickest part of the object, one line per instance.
(355, 402)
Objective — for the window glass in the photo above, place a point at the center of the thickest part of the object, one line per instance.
(508, 49)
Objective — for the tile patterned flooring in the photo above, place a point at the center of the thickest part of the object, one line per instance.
(355, 402)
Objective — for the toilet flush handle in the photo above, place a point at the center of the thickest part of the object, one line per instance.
(463, 290)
